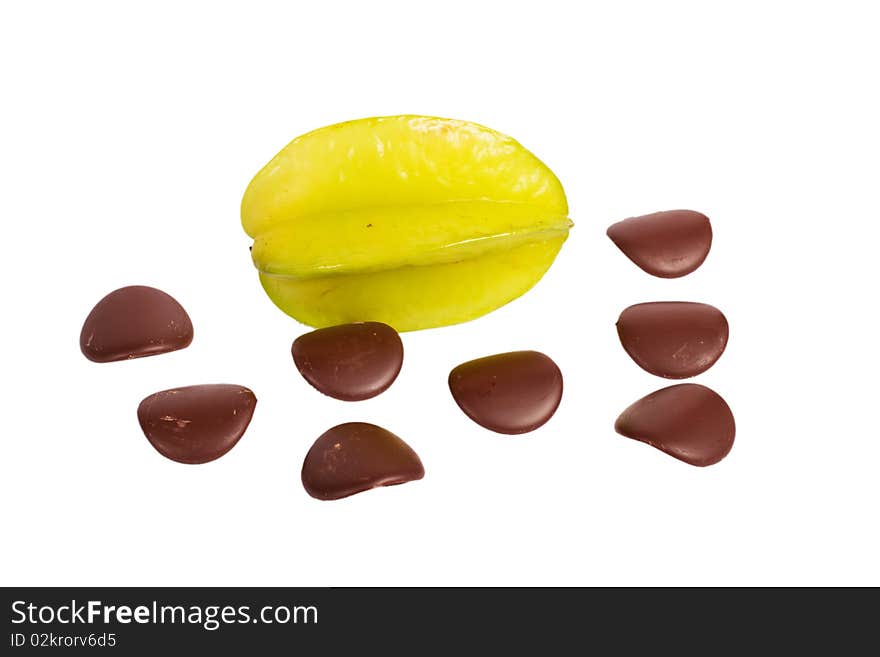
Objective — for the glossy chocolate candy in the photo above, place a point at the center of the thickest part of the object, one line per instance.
(673, 339)
(133, 322)
(665, 244)
(350, 362)
(353, 457)
(688, 421)
(508, 393)
(196, 424)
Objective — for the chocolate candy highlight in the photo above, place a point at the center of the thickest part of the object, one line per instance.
(133, 322)
(673, 339)
(353, 457)
(350, 362)
(196, 424)
(508, 393)
(687, 421)
(665, 244)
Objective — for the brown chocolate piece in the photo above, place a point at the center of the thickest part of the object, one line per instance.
(132, 322)
(665, 244)
(508, 393)
(350, 362)
(196, 424)
(356, 456)
(687, 421)
(673, 339)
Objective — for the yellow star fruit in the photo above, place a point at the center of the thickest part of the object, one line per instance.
(413, 221)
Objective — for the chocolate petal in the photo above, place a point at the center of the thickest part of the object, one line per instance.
(350, 362)
(196, 424)
(673, 339)
(132, 322)
(508, 393)
(354, 457)
(687, 421)
(665, 244)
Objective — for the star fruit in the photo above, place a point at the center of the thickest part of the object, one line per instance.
(413, 221)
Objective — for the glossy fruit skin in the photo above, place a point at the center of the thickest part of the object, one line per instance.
(412, 221)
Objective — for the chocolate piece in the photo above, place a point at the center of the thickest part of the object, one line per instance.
(133, 322)
(350, 362)
(665, 244)
(687, 421)
(354, 457)
(673, 339)
(196, 424)
(508, 393)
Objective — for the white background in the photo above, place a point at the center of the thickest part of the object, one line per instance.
(128, 136)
